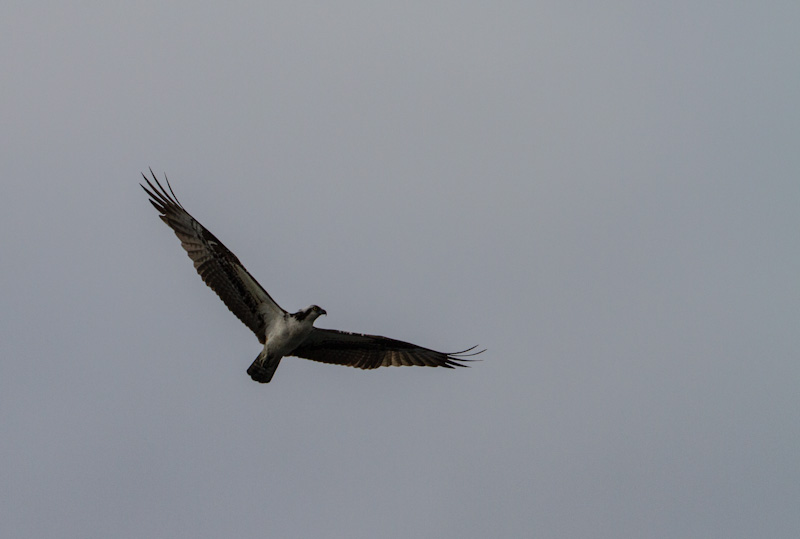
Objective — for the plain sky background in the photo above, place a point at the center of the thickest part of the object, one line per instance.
(605, 195)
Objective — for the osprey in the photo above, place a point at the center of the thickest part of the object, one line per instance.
(282, 333)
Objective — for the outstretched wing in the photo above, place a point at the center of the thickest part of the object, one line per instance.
(218, 267)
(373, 351)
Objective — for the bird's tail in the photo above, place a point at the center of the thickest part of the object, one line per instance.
(263, 368)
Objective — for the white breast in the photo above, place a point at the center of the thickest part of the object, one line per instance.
(285, 334)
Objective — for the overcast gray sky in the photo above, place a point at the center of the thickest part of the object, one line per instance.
(604, 195)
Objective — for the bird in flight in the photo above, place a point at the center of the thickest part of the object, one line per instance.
(282, 333)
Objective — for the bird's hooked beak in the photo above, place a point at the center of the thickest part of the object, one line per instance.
(322, 311)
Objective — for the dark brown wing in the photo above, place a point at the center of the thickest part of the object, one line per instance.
(373, 351)
(218, 267)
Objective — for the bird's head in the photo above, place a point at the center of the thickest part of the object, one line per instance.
(311, 313)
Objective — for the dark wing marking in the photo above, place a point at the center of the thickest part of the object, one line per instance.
(218, 267)
(373, 351)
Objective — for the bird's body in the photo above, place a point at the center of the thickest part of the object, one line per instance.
(282, 333)
(287, 332)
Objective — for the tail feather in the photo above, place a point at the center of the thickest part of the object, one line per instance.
(263, 368)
